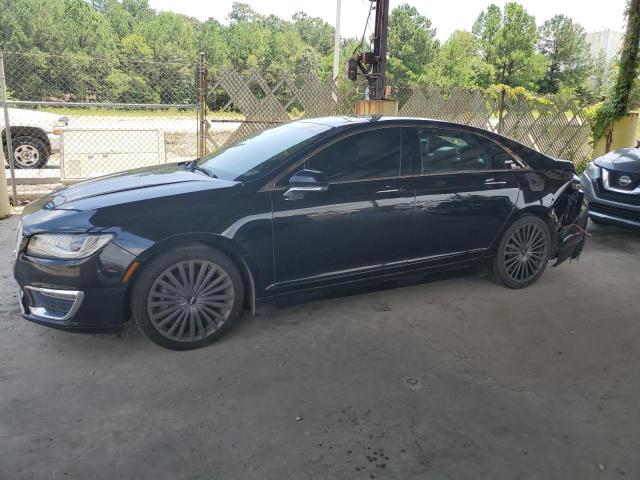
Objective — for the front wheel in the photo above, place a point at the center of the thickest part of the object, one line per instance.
(188, 297)
(29, 152)
(523, 252)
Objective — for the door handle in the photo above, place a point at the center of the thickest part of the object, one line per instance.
(493, 181)
(389, 191)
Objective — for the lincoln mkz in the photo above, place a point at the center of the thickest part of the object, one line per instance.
(302, 208)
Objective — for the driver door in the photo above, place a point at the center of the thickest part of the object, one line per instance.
(359, 226)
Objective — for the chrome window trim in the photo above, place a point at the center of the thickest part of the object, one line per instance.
(333, 142)
(40, 312)
(518, 160)
(273, 187)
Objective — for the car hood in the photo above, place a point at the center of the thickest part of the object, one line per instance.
(127, 194)
(32, 118)
(623, 160)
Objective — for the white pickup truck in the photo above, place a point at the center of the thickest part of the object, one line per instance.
(35, 135)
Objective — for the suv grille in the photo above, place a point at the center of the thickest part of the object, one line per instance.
(614, 211)
(614, 180)
(615, 196)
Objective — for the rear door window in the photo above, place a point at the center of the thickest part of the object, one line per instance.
(444, 150)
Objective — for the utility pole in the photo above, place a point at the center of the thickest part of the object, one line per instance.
(372, 65)
(336, 52)
(377, 79)
(4, 204)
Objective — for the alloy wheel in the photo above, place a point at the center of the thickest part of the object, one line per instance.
(525, 254)
(26, 155)
(190, 300)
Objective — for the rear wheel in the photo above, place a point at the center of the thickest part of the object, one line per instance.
(523, 252)
(188, 297)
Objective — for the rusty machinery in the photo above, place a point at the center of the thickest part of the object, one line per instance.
(372, 64)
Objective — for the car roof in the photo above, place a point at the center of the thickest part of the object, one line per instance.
(338, 123)
(350, 120)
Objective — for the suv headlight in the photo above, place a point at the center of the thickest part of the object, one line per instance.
(59, 124)
(592, 171)
(50, 245)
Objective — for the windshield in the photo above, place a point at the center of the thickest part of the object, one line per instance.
(254, 156)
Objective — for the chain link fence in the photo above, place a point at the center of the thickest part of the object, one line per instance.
(73, 116)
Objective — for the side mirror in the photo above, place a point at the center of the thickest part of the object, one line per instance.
(306, 181)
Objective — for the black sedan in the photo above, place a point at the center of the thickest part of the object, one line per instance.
(612, 187)
(305, 207)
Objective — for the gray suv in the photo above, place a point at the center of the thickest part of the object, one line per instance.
(611, 184)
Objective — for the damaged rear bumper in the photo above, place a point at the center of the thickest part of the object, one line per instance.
(572, 234)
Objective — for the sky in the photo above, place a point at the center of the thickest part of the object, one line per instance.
(447, 16)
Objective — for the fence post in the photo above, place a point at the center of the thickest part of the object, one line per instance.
(202, 112)
(5, 207)
(336, 55)
(7, 129)
(501, 110)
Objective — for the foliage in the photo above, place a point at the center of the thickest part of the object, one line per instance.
(507, 41)
(569, 63)
(618, 103)
(601, 75)
(457, 64)
(123, 50)
(412, 45)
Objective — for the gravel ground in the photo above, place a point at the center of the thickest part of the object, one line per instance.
(451, 379)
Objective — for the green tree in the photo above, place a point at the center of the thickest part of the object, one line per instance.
(601, 75)
(242, 12)
(213, 43)
(170, 32)
(249, 43)
(458, 63)
(138, 9)
(120, 18)
(86, 29)
(617, 105)
(507, 41)
(564, 45)
(412, 45)
(314, 32)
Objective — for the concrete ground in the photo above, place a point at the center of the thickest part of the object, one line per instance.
(452, 379)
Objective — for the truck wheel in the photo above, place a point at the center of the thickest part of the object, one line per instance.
(28, 152)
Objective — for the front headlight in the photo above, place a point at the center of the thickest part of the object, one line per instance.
(592, 171)
(49, 245)
(59, 124)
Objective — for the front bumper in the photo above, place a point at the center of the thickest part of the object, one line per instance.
(54, 141)
(79, 295)
(613, 208)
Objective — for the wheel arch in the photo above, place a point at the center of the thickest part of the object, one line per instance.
(223, 244)
(544, 213)
(21, 131)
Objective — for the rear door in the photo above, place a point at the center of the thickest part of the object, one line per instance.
(465, 192)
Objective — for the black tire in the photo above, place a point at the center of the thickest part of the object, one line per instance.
(33, 150)
(153, 277)
(536, 252)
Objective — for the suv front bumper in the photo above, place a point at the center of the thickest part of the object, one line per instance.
(610, 207)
